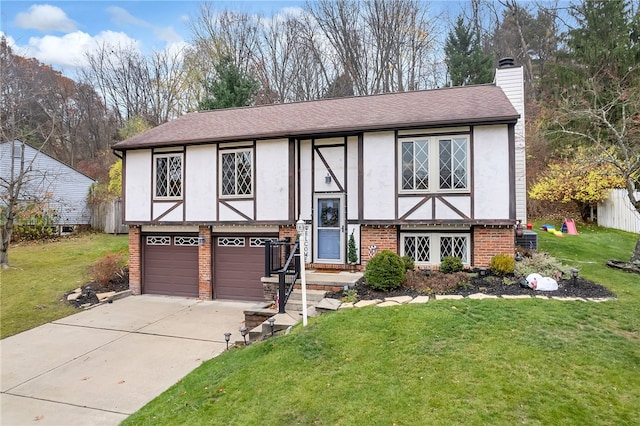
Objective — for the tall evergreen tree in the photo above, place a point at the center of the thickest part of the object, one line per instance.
(231, 87)
(466, 62)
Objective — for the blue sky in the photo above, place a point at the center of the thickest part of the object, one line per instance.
(59, 32)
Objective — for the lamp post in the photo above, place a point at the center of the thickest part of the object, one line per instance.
(227, 337)
(272, 321)
(244, 332)
(303, 276)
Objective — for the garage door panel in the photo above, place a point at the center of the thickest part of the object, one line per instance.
(238, 270)
(171, 270)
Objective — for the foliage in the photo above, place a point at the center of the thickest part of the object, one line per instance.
(352, 251)
(502, 264)
(543, 264)
(31, 291)
(582, 180)
(385, 271)
(409, 263)
(133, 126)
(115, 178)
(466, 62)
(231, 87)
(451, 264)
(349, 296)
(437, 352)
(35, 221)
(107, 268)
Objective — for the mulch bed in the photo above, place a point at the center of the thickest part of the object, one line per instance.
(418, 284)
(89, 290)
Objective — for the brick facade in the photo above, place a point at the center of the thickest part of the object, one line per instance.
(205, 283)
(487, 242)
(135, 260)
(374, 239)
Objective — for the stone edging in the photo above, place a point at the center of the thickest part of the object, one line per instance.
(401, 300)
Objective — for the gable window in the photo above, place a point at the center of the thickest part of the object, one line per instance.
(236, 173)
(434, 164)
(168, 176)
(430, 248)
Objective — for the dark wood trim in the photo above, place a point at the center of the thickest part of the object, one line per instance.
(434, 194)
(124, 187)
(452, 207)
(396, 171)
(439, 134)
(218, 181)
(503, 223)
(299, 179)
(184, 183)
(216, 223)
(175, 206)
(316, 149)
(416, 207)
(360, 176)
(437, 230)
(292, 182)
(472, 164)
(230, 207)
(329, 145)
(254, 181)
(512, 172)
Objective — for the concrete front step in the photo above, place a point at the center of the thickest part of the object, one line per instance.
(282, 322)
(295, 299)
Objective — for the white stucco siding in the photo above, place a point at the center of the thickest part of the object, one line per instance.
(201, 171)
(137, 189)
(454, 208)
(272, 180)
(306, 195)
(168, 212)
(334, 158)
(352, 178)
(491, 172)
(424, 212)
(511, 81)
(236, 210)
(379, 176)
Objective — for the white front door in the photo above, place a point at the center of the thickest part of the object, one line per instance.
(329, 229)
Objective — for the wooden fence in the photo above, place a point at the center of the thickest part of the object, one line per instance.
(107, 217)
(618, 213)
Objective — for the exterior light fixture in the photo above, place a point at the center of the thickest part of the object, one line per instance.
(427, 271)
(201, 241)
(518, 257)
(227, 337)
(483, 272)
(271, 320)
(327, 178)
(574, 275)
(244, 332)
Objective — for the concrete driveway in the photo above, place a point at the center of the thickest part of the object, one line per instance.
(99, 366)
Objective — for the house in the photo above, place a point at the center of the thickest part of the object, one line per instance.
(59, 188)
(427, 174)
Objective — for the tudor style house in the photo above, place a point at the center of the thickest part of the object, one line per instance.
(426, 174)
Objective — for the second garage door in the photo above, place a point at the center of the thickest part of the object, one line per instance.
(238, 267)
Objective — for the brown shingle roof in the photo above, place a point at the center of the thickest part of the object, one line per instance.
(450, 106)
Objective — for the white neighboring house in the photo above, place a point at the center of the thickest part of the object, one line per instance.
(61, 187)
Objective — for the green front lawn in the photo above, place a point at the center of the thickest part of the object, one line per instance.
(31, 290)
(447, 362)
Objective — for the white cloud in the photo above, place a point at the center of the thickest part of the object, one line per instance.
(44, 17)
(69, 50)
(121, 17)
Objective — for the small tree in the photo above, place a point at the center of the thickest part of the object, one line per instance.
(352, 251)
(231, 88)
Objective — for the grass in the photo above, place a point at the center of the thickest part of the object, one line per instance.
(496, 362)
(32, 289)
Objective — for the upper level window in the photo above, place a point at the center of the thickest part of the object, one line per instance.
(434, 164)
(168, 176)
(236, 173)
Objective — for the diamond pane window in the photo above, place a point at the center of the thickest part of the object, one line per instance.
(453, 163)
(237, 173)
(168, 176)
(417, 247)
(454, 246)
(415, 165)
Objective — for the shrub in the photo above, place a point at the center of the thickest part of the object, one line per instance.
(409, 264)
(106, 269)
(502, 264)
(543, 264)
(349, 296)
(385, 271)
(451, 264)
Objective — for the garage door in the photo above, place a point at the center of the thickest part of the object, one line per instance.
(238, 267)
(171, 265)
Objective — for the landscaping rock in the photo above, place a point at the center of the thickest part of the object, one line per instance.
(480, 296)
(327, 304)
(399, 299)
(388, 303)
(420, 299)
(363, 303)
